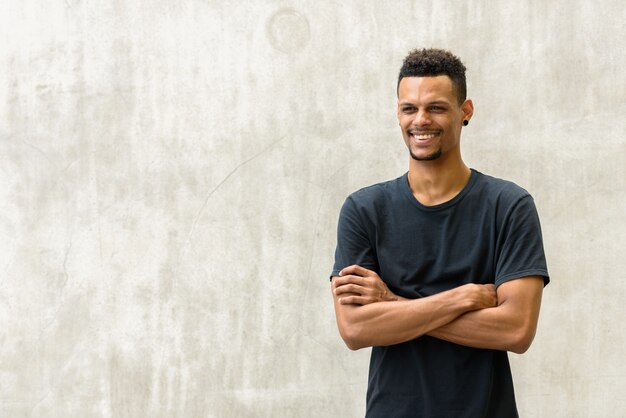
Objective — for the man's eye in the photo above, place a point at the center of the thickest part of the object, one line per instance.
(437, 109)
(408, 109)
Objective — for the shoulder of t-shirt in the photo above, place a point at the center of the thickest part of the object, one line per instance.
(504, 190)
(378, 192)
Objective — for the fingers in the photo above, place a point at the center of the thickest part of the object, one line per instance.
(492, 292)
(349, 288)
(491, 299)
(355, 269)
(359, 286)
(482, 295)
(349, 279)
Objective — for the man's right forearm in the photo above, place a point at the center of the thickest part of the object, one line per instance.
(387, 323)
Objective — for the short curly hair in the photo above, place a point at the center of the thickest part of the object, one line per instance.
(433, 62)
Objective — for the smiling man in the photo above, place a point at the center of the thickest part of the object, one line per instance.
(441, 270)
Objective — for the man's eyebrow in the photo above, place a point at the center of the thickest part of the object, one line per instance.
(434, 102)
(439, 102)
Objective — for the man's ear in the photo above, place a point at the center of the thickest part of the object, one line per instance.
(468, 109)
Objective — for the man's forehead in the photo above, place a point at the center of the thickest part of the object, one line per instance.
(439, 87)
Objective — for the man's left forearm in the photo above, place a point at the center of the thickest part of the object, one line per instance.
(490, 328)
(510, 326)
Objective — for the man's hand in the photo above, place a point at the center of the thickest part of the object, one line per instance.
(357, 285)
(481, 296)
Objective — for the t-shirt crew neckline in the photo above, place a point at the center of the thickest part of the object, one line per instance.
(406, 188)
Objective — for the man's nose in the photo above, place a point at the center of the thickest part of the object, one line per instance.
(422, 118)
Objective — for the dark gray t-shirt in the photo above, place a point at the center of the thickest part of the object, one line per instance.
(488, 233)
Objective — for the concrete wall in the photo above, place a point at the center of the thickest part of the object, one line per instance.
(171, 174)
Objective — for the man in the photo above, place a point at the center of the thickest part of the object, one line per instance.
(441, 270)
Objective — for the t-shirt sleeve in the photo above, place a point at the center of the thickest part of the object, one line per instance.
(520, 249)
(353, 242)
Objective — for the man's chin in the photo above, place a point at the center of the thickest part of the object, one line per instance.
(428, 157)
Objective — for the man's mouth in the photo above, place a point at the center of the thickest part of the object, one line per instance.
(422, 136)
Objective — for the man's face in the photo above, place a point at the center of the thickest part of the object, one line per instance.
(430, 116)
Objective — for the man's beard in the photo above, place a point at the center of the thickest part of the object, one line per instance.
(429, 157)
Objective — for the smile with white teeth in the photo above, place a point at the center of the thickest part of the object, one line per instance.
(423, 136)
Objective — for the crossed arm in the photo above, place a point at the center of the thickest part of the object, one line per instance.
(369, 314)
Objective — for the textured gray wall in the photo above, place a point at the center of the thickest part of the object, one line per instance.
(171, 174)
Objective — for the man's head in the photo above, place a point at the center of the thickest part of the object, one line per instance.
(434, 62)
(432, 106)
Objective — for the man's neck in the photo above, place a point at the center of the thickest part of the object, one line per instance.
(436, 182)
